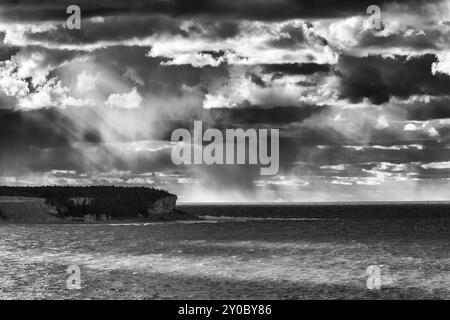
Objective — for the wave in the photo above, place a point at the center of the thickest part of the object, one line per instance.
(160, 223)
(206, 219)
(121, 224)
(243, 219)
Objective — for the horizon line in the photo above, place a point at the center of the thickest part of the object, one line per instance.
(307, 202)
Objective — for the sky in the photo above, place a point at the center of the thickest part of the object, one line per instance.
(363, 112)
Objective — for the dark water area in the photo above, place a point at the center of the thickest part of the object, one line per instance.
(238, 252)
(370, 210)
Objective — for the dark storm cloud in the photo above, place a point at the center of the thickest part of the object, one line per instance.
(43, 140)
(369, 155)
(6, 51)
(23, 134)
(49, 139)
(40, 129)
(92, 136)
(215, 54)
(266, 116)
(121, 27)
(113, 28)
(378, 78)
(292, 36)
(296, 68)
(417, 41)
(155, 77)
(207, 60)
(256, 79)
(437, 108)
(222, 29)
(252, 9)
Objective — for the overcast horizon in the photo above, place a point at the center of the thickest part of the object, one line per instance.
(363, 113)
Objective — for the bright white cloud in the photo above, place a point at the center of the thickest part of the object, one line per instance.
(10, 82)
(443, 65)
(130, 100)
(437, 165)
(217, 101)
(51, 94)
(45, 93)
(86, 82)
(32, 65)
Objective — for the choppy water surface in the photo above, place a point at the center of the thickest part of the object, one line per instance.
(286, 252)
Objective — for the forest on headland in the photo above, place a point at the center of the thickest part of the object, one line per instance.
(108, 201)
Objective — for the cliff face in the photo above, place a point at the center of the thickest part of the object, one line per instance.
(165, 209)
(163, 205)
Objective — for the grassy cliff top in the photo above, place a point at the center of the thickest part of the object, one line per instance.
(58, 192)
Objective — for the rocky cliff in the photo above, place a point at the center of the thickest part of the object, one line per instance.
(165, 209)
(163, 205)
(91, 209)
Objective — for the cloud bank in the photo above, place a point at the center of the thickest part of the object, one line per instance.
(363, 113)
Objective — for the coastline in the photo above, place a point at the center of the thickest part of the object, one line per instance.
(88, 205)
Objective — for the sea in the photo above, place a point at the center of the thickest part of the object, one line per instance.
(237, 251)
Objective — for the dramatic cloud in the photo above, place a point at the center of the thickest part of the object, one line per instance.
(390, 76)
(363, 113)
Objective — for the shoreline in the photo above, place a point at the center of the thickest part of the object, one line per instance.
(162, 218)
